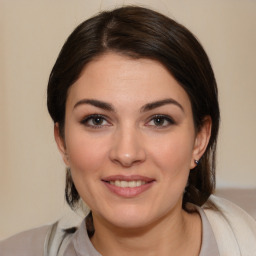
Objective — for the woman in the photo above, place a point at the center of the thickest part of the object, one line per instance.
(134, 103)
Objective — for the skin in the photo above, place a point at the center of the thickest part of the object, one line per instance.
(126, 138)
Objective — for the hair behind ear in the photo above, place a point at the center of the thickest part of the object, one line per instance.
(71, 194)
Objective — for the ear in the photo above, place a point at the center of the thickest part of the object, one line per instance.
(60, 141)
(201, 140)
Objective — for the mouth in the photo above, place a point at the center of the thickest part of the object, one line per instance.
(128, 186)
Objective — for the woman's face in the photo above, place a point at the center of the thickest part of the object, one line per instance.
(130, 140)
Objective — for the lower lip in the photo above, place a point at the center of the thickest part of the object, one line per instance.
(128, 192)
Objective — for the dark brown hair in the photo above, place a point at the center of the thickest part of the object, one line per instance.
(143, 33)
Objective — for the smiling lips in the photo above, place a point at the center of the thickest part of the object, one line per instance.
(128, 186)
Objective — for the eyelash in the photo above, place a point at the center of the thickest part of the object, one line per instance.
(86, 120)
(163, 118)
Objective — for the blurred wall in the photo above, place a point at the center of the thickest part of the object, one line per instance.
(32, 33)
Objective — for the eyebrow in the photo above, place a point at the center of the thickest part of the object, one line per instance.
(157, 104)
(109, 107)
(96, 103)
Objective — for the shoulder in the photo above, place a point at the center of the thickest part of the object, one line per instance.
(46, 240)
(233, 228)
(232, 213)
(26, 243)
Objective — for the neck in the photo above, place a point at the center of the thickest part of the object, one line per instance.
(174, 234)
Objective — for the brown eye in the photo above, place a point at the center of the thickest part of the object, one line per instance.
(95, 121)
(160, 121)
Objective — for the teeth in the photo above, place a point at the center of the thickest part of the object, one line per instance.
(128, 184)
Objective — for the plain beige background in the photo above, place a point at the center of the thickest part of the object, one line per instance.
(32, 33)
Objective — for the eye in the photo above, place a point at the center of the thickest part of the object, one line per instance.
(95, 121)
(160, 121)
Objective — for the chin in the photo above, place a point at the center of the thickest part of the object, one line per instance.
(131, 222)
(130, 218)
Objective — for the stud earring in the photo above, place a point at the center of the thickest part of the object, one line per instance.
(196, 162)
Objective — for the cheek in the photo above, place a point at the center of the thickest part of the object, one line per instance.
(173, 160)
(174, 154)
(86, 153)
(86, 157)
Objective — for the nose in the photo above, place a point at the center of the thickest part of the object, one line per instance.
(127, 148)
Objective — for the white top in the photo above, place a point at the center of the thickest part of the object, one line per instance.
(80, 244)
(227, 232)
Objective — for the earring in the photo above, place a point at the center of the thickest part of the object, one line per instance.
(196, 162)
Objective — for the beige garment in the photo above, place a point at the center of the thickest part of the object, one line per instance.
(28, 243)
(80, 244)
(53, 240)
(232, 228)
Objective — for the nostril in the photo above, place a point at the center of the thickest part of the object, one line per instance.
(127, 149)
(126, 163)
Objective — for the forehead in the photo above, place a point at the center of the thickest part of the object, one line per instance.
(118, 78)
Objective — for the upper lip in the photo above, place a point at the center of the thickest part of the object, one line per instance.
(127, 178)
